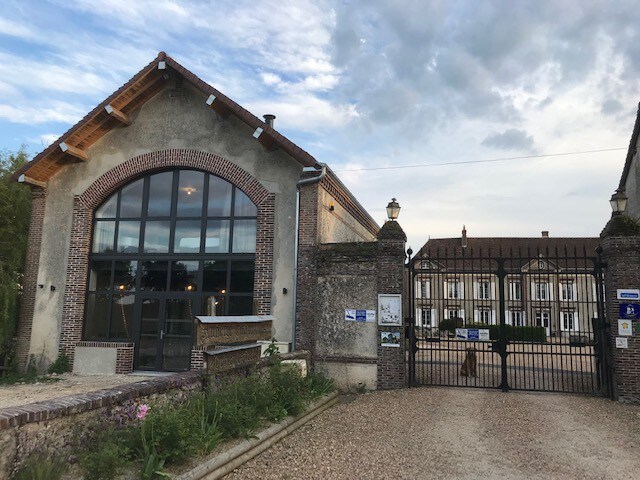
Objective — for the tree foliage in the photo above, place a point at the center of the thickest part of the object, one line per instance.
(15, 207)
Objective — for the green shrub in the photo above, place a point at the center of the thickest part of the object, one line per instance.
(61, 365)
(105, 462)
(289, 389)
(450, 325)
(41, 467)
(171, 432)
(318, 385)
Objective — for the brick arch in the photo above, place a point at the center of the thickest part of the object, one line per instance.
(115, 178)
(82, 222)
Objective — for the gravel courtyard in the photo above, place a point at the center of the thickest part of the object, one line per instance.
(459, 433)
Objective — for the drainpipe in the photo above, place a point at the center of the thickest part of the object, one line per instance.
(306, 181)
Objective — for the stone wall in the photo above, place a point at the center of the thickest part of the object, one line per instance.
(336, 277)
(622, 258)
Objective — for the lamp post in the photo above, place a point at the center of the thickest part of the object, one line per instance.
(393, 210)
(618, 202)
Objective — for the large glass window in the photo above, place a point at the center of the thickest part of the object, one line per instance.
(181, 236)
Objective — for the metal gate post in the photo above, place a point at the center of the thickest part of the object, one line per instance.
(603, 332)
(411, 323)
(501, 273)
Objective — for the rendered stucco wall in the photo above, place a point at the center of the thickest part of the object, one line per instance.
(338, 225)
(631, 188)
(167, 121)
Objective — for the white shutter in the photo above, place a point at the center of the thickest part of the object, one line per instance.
(550, 289)
(562, 329)
(493, 290)
(417, 289)
(434, 318)
(445, 286)
(476, 316)
(461, 313)
(507, 317)
(461, 290)
(533, 291)
(493, 317)
(476, 290)
(524, 317)
(560, 291)
(576, 324)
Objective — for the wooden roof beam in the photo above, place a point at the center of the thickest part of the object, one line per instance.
(118, 115)
(31, 181)
(221, 110)
(74, 152)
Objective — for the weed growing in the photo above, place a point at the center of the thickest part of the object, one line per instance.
(170, 432)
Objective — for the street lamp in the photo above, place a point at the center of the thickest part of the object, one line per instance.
(393, 210)
(618, 202)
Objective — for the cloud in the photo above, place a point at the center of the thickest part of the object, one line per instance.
(511, 139)
(611, 107)
(55, 112)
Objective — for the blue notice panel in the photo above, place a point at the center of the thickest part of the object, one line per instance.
(630, 310)
(361, 315)
(473, 334)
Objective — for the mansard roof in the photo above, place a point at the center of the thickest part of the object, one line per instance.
(559, 252)
(115, 112)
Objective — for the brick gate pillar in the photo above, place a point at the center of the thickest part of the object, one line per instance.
(621, 254)
(390, 268)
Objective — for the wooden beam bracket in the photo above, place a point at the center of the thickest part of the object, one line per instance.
(74, 152)
(118, 115)
(31, 181)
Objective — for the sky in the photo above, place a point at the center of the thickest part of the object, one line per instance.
(469, 113)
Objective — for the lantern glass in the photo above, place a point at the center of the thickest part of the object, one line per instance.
(393, 209)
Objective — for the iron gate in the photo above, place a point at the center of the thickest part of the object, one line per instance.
(530, 319)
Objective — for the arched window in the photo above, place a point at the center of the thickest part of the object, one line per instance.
(167, 247)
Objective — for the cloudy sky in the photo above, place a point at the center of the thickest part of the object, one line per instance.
(404, 98)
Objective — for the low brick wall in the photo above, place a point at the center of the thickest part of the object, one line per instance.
(52, 425)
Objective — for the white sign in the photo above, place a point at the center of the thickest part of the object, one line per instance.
(481, 334)
(355, 315)
(622, 342)
(625, 327)
(390, 309)
(628, 294)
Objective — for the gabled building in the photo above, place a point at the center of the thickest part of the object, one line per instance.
(546, 282)
(166, 201)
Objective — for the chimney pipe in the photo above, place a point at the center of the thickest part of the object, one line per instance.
(269, 119)
(545, 234)
(464, 237)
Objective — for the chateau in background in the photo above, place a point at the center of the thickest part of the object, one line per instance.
(547, 282)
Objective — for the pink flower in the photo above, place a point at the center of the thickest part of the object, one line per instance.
(142, 411)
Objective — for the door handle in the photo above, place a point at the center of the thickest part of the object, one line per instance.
(161, 334)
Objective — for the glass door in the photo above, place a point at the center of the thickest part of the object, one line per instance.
(165, 339)
(176, 334)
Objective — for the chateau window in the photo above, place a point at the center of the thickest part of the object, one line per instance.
(455, 289)
(569, 321)
(483, 290)
(516, 318)
(567, 290)
(515, 291)
(541, 291)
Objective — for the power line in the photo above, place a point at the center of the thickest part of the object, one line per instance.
(487, 160)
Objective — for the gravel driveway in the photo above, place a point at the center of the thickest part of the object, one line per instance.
(459, 433)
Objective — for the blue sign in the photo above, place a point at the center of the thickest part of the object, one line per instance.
(361, 315)
(473, 334)
(630, 310)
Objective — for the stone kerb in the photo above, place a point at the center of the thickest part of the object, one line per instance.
(621, 255)
(390, 268)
